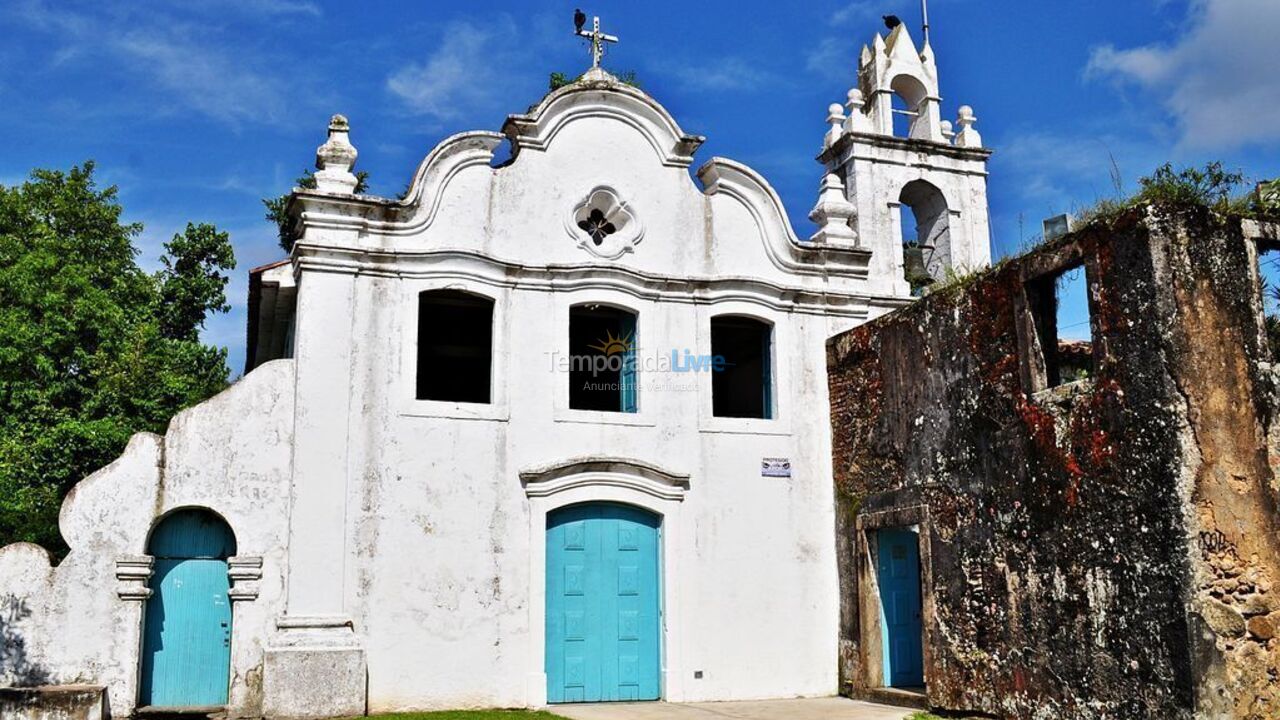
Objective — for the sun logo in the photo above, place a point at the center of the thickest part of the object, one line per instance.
(613, 345)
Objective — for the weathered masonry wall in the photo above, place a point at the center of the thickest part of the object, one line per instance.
(1106, 548)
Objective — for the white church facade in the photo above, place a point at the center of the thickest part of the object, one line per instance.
(550, 429)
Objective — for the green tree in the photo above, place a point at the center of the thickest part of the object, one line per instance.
(307, 181)
(92, 348)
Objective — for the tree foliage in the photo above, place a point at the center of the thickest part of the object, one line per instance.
(92, 347)
(276, 206)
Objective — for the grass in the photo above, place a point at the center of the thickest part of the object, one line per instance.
(467, 715)
(922, 715)
(1213, 186)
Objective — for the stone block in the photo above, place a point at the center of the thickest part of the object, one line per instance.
(54, 702)
(314, 682)
(1263, 627)
(1223, 619)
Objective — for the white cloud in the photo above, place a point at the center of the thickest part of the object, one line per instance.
(193, 64)
(203, 78)
(1061, 172)
(833, 58)
(857, 11)
(730, 73)
(466, 71)
(1218, 80)
(261, 7)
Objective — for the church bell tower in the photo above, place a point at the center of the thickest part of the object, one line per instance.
(888, 155)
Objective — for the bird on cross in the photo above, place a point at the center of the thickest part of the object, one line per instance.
(579, 19)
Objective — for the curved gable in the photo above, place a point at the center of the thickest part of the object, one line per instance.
(598, 94)
(596, 155)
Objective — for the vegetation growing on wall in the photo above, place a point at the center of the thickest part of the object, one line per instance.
(558, 80)
(92, 348)
(1213, 186)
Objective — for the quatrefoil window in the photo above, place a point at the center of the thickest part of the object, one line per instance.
(603, 224)
(597, 226)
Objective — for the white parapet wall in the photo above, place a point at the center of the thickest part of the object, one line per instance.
(81, 620)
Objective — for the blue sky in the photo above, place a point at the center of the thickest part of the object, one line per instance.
(196, 109)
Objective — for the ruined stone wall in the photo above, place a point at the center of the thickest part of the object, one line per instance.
(1101, 549)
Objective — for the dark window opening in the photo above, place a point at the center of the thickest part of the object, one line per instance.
(455, 346)
(1059, 304)
(602, 355)
(741, 387)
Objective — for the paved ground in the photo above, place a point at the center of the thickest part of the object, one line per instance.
(807, 709)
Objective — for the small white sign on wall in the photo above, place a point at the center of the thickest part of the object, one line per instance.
(775, 467)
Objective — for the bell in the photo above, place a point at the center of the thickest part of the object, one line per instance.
(913, 269)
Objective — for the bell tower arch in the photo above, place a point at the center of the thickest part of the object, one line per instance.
(894, 157)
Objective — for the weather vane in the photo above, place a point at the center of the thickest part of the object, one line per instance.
(597, 38)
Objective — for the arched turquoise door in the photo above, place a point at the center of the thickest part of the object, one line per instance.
(186, 641)
(602, 604)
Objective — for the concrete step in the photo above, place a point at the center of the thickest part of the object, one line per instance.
(152, 712)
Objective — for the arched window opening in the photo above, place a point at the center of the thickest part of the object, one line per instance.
(742, 373)
(926, 234)
(602, 352)
(455, 346)
(909, 97)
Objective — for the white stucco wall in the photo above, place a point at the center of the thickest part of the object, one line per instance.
(442, 570)
(81, 622)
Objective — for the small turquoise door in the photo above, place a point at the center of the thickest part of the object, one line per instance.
(898, 572)
(186, 642)
(602, 604)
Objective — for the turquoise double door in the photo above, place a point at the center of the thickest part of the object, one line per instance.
(186, 642)
(603, 604)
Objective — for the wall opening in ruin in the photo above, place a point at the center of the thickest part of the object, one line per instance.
(1269, 288)
(1059, 304)
(926, 234)
(455, 346)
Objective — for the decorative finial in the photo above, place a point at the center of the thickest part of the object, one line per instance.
(597, 38)
(833, 214)
(857, 120)
(947, 133)
(335, 158)
(967, 136)
(835, 116)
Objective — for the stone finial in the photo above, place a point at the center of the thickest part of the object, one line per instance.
(335, 158)
(967, 137)
(835, 116)
(833, 214)
(948, 134)
(857, 121)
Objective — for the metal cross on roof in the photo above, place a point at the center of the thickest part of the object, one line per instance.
(598, 39)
